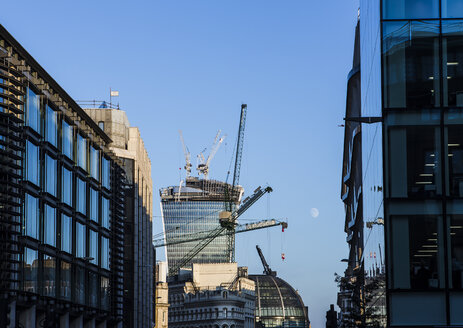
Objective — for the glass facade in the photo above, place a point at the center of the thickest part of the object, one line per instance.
(49, 225)
(32, 111)
(422, 47)
(81, 237)
(30, 266)
(32, 170)
(193, 217)
(82, 152)
(105, 173)
(81, 196)
(31, 216)
(50, 178)
(105, 212)
(67, 140)
(94, 205)
(66, 186)
(66, 233)
(94, 163)
(51, 126)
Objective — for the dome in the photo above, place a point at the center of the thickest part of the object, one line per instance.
(278, 304)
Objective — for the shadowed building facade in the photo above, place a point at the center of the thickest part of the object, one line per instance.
(62, 209)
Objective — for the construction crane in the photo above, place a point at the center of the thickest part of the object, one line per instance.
(227, 213)
(203, 166)
(186, 152)
(161, 242)
(227, 227)
(267, 269)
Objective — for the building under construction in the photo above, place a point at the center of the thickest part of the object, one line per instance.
(193, 209)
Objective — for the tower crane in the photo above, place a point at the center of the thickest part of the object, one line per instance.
(267, 269)
(203, 166)
(226, 215)
(186, 152)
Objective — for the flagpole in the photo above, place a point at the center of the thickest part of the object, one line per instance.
(110, 97)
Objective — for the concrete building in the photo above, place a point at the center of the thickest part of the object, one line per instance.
(411, 110)
(194, 208)
(128, 146)
(212, 296)
(61, 206)
(162, 296)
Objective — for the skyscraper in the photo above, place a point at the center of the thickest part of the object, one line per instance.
(194, 208)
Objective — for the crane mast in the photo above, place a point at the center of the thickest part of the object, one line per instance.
(267, 269)
(187, 155)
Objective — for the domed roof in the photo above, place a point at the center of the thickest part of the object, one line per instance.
(278, 304)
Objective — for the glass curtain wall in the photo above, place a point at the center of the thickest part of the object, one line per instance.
(422, 72)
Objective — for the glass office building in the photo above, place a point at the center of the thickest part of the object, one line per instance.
(61, 210)
(194, 209)
(411, 84)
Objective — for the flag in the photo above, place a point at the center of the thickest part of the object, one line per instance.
(114, 93)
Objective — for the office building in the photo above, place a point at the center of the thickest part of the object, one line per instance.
(128, 147)
(62, 210)
(162, 296)
(411, 121)
(212, 296)
(194, 208)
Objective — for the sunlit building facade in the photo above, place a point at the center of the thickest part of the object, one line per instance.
(193, 209)
(61, 213)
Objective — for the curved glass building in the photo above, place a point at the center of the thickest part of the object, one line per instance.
(278, 304)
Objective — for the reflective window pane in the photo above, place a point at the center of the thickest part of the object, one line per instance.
(67, 139)
(31, 216)
(94, 205)
(81, 196)
(49, 276)
(410, 9)
(93, 289)
(93, 246)
(452, 8)
(66, 233)
(417, 253)
(80, 240)
(79, 287)
(32, 111)
(455, 160)
(104, 291)
(66, 186)
(105, 212)
(105, 253)
(414, 162)
(452, 66)
(105, 173)
(51, 126)
(411, 64)
(49, 225)
(65, 280)
(94, 163)
(50, 175)
(82, 152)
(30, 270)
(32, 172)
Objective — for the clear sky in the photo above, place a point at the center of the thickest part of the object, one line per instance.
(184, 64)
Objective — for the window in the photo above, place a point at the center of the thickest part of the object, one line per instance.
(81, 197)
(105, 173)
(93, 289)
(31, 216)
(67, 140)
(66, 233)
(79, 288)
(452, 9)
(51, 126)
(32, 111)
(105, 212)
(455, 232)
(101, 125)
(30, 270)
(93, 246)
(94, 205)
(455, 160)
(50, 175)
(104, 290)
(452, 65)
(94, 163)
(410, 9)
(49, 276)
(414, 161)
(80, 240)
(32, 163)
(82, 152)
(417, 252)
(411, 64)
(105, 253)
(65, 280)
(66, 186)
(49, 225)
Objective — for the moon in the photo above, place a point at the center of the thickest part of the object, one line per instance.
(314, 212)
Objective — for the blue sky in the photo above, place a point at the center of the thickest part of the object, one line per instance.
(189, 65)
